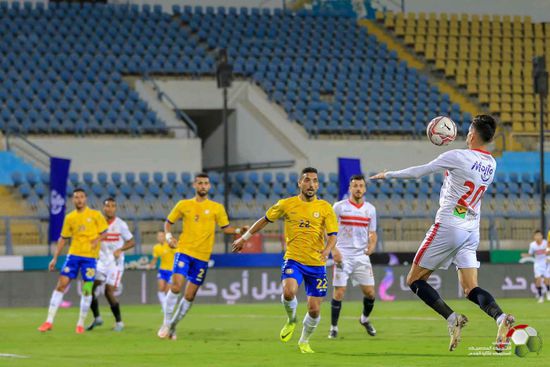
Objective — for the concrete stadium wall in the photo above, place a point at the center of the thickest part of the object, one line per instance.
(241, 285)
(125, 154)
(260, 131)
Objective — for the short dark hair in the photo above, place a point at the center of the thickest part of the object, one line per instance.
(358, 178)
(79, 189)
(485, 126)
(537, 231)
(309, 170)
(202, 175)
(109, 199)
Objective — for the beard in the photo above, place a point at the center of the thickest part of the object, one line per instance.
(202, 193)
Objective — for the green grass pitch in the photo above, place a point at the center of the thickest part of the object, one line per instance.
(409, 334)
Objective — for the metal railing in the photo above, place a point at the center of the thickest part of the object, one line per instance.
(28, 150)
(180, 114)
(33, 230)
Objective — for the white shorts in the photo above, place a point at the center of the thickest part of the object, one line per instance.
(358, 268)
(110, 273)
(444, 245)
(541, 270)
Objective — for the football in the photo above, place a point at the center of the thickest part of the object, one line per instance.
(441, 130)
(525, 340)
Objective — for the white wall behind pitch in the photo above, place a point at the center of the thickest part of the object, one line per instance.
(125, 154)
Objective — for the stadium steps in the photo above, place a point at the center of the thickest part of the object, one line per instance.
(393, 44)
(22, 231)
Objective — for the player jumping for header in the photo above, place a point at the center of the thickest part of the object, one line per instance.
(454, 237)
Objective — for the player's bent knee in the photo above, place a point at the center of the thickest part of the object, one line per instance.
(87, 288)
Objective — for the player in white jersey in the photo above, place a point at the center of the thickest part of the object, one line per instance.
(539, 250)
(454, 237)
(356, 240)
(110, 266)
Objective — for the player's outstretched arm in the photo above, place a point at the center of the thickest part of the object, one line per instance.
(172, 242)
(235, 230)
(444, 161)
(256, 227)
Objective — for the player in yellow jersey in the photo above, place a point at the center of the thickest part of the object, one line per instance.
(308, 220)
(86, 228)
(199, 217)
(165, 253)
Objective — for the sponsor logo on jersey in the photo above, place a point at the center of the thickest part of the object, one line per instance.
(316, 214)
(486, 170)
(289, 271)
(460, 211)
(181, 264)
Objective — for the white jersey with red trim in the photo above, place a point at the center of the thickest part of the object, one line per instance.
(468, 174)
(354, 223)
(117, 234)
(539, 252)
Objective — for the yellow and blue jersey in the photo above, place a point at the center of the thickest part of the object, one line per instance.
(199, 221)
(83, 227)
(306, 224)
(166, 255)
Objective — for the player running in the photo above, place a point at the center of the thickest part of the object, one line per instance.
(356, 240)
(165, 253)
(538, 249)
(454, 237)
(307, 221)
(110, 266)
(194, 247)
(86, 228)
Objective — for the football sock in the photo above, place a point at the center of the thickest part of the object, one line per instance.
(335, 307)
(169, 304)
(116, 312)
(309, 327)
(539, 289)
(290, 308)
(485, 301)
(431, 298)
(182, 309)
(85, 302)
(95, 307)
(368, 305)
(548, 288)
(55, 301)
(162, 299)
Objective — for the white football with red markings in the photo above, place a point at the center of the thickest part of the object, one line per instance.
(441, 131)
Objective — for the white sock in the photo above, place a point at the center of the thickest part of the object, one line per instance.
(332, 327)
(500, 318)
(85, 302)
(290, 308)
(452, 318)
(183, 307)
(364, 318)
(55, 301)
(309, 327)
(169, 304)
(162, 299)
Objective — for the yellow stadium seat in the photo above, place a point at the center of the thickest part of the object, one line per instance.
(505, 117)
(411, 19)
(494, 107)
(389, 20)
(539, 31)
(461, 80)
(440, 63)
(409, 39)
(399, 30)
(422, 17)
(505, 97)
(420, 47)
(530, 127)
(471, 88)
(380, 16)
(430, 52)
(517, 126)
(506, 89)
(483, 98)
(421, 30)
(431, 40)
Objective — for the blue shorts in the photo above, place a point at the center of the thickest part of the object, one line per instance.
(192, 269)
(314, 277)
(86, 265)
(165, 275)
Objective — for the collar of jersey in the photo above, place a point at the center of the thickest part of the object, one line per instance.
(482, 151)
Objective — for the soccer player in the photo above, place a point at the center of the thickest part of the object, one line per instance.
(165, 253)
(199, 217)
(110, 266)
(86, 228)
(454, 237)
(307, 221)
(356, 240)
(539, 248)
